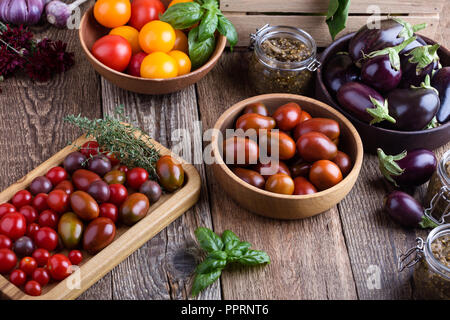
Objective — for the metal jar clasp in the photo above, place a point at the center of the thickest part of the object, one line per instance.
(412, 256)
(441, 195)
(254, 36)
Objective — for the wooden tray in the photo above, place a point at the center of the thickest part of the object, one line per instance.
(127, 240)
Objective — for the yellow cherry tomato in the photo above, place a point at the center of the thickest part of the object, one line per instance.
(181, 42)
(112, 13)
(130, 34)
(157, 36)
(178, 1)
(183, 61)
(159, 65)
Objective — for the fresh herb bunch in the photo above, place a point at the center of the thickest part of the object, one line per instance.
(130, 144)
(201, 39)
(221, 252)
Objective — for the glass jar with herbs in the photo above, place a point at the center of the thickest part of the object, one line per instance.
(431, 259)
(283, 60)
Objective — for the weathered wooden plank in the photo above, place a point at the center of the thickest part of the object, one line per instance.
(163, 267)
(309, 257)
(315, 25)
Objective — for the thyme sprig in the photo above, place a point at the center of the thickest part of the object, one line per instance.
(129, 143)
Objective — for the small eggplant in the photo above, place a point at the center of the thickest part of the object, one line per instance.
(364, 103)
(441, 82)
(417, 63)
(414, 108)
(392, 32)
(338, 71)
(382, 68)
(405, 210)
(409, 168)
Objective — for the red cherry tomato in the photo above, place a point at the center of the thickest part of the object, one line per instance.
(48, 218)
(109, 210)
(134, 68)
(75, 257)
(6, 208)
(5, 242)
(29, 213)
(344, 162)
(112, 158)
(40, 202)
(66, 186)
(59, 266)
(8, 260)
(13, 225)
(118, 194)
(33, 288)
(56, 175)
(28, 265)
(287, 116)
(58, 200)
(303, 186)
(113, 51)
(41, 256)
(21, 198)
(144, 11)
(32, 228)
(90, 148)
(41, 276)
(136, 177)
(18, 278)
(46, 238)
(325, 174)
(304, 116)
(123, 168)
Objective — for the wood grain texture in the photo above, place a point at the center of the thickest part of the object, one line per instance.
(309, 257)
(163, 267)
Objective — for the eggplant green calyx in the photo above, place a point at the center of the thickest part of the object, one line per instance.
(427, 223)
(426, 84)
(392, 52)
(388, 165)
(380, 112)
(423, 56)
(408, 29)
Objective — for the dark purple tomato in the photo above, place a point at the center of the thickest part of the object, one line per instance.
(251, 177)
(134, 209)
(98, 234)
(344, 162)
(99, 190)
(300, 169)
(24, 247)
(152, 190)
(40, 185)
(74, 161)
(302, 186)
(100, 165)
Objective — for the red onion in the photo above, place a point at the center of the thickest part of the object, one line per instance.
(58, 13)
(18, 12)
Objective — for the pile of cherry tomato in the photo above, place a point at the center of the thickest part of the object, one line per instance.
(139, 43)
(75, 206)
(308, 157)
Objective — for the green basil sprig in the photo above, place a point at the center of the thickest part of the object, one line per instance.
(202, 41)
(221, 252)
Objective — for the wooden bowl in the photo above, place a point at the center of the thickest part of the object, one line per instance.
(90, 31)
(280, 206)
(391, 141)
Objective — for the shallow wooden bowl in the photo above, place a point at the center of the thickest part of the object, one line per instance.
(127, 239)
(90, 31)
(391, 141)
(275, 205)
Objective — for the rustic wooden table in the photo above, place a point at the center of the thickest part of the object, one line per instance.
(336, 255)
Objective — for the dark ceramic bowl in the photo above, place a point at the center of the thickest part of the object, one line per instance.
(391, 141)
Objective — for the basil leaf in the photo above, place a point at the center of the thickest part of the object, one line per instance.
(337, 16)
(254, 257)
(210, 265)
(211, 5)
(208, 25)
(230, 239)
(208, 240)
(200, 51)
(227, 29)
(183, 15)
(201, 281)
(218, 255)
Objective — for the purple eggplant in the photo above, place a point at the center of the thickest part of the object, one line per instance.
(382, 69)
(413, 108)
(441, 82)
(417, 63)
(338, 71)
(392, 32)
(409, 168)
(406, 211)
(364, 103)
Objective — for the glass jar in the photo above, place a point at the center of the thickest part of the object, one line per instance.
(438, 193)
(269, 73)
(432, 260)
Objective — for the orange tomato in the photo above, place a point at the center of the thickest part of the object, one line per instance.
(178, 1)
(157, 36)
(183, 61)
(112, 13)
(181, 42)
(159, 65)
(130, 34)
